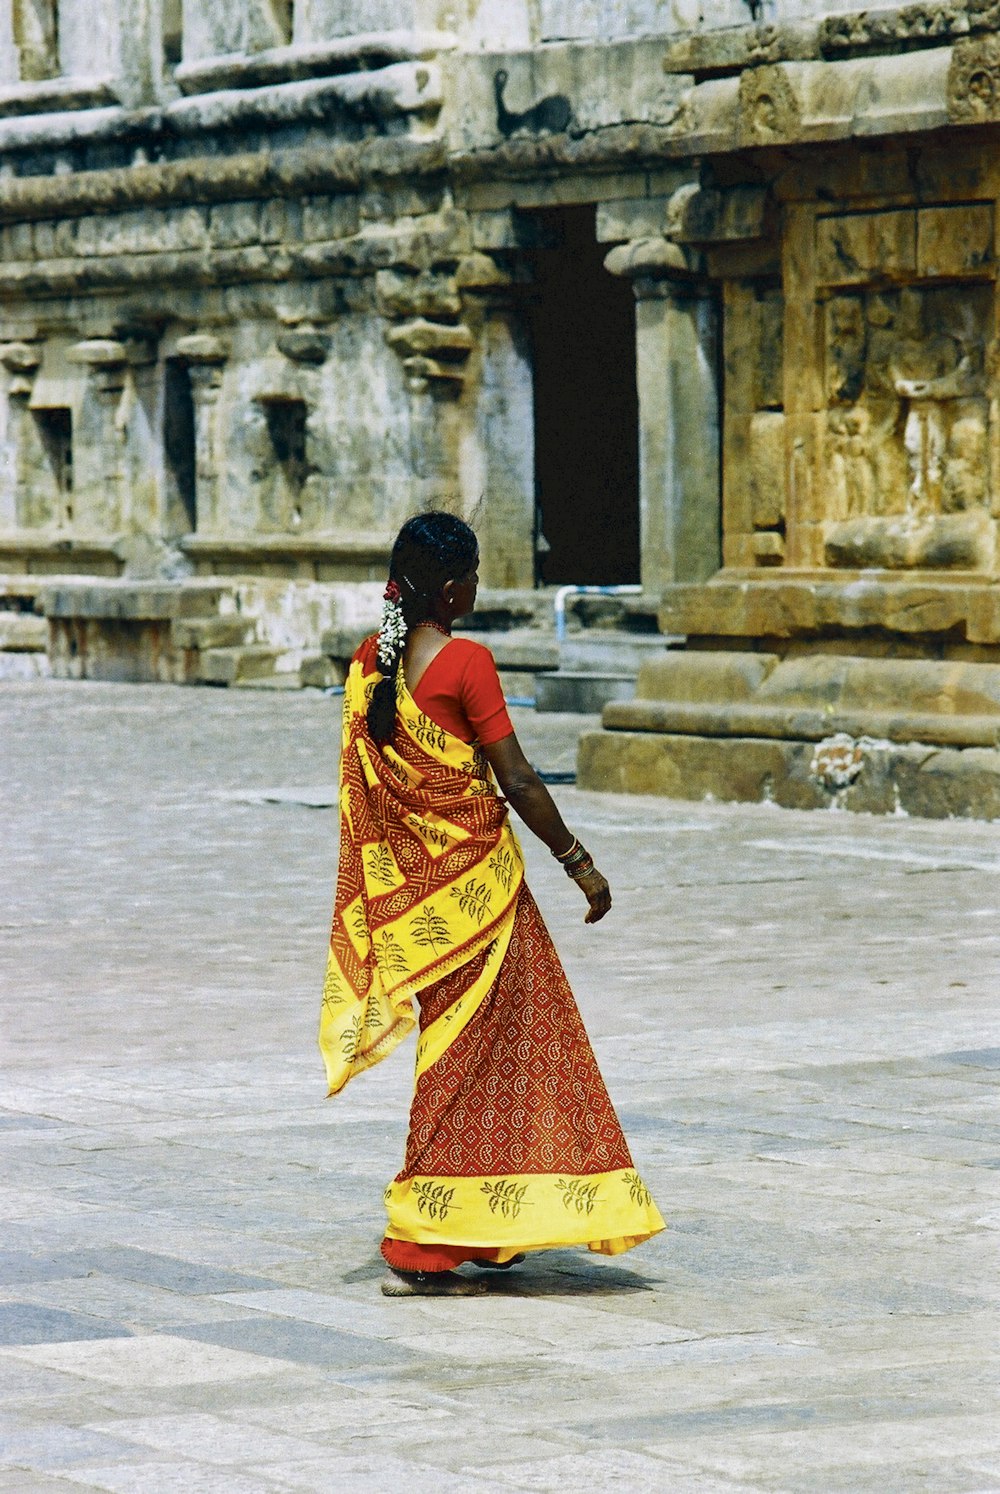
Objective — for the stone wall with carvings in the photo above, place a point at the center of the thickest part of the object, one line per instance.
(266, 273)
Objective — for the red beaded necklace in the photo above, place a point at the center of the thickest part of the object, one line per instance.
(428, 622)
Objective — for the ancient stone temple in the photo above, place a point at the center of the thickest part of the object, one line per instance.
(694, 298)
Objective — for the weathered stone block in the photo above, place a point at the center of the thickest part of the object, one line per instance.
(681, 767)
(237, 666)
(20, 357)
(330, 217)
(422, 338)
(304, 344)
(768, 547)
(697, 215)
(949, 541)
(16, 242)
(858, 247)
(118, 650)
(211, 632)
(186, 228)
(320, 672)
(98, 352)
(631, 218)
(54, 240)
(421, 294)
(766, 468)
(234, 224)
(954, 240)
(786, 608)
(704, 676)
(23, 632)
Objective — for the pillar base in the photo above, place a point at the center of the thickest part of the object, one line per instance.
(914, 779)
(875, 735)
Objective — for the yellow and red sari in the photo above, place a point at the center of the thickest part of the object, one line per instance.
(513, 1142)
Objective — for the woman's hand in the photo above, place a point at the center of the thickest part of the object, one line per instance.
(598, 894)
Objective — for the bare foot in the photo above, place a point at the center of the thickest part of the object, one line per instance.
(430, 1284)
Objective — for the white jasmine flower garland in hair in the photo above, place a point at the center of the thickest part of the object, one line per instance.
(393, 629)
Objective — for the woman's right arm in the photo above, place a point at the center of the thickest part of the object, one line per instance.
(531, 800)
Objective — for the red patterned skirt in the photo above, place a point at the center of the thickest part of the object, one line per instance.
(513, 1141)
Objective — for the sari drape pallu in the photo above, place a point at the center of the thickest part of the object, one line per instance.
(513, 1142)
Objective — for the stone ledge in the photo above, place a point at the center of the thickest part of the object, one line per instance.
(729, 694)
(57, 542)
(934, 783)
(56, 95)
(255, 174)
(38, 553)
(355, 255)
(131, 601)
(327, 547)
(787, 606)
(363, 52)
(401, 90)
(780, 723)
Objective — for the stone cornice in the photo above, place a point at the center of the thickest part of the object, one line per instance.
(614, 148)
(802, 103)
(418, 245)
(56, 95)
(786, 104)
(400, 89)
(206, 179)
(360, 53)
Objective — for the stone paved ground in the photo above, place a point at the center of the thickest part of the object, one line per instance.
(797, 1017)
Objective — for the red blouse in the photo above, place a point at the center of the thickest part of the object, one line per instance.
(460, 690)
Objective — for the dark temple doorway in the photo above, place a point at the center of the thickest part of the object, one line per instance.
(179, 448)
(582, 323)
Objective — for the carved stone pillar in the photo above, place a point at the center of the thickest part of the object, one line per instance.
(205, 357)
(22, 361)
(497, 453)
(676, 362)
(100, 499)
(434, 356)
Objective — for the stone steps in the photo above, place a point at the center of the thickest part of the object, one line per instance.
(23, 633)
(204, 633)
(253, 664)
(868, 733)
(582, 691)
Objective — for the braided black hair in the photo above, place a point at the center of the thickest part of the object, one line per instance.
(430, 549)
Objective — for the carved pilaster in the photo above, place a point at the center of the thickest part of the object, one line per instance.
(434, 353)
(676, 332)
(100, 498)
(21, 361)
(205, 357)
(498, 459)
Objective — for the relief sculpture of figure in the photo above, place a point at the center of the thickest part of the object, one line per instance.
(927, 376)
(964, 483)
(851, 465)
(513, 1142)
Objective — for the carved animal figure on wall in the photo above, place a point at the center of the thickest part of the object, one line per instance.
(549, 116)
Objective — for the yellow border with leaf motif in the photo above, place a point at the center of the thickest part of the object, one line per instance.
(608, 1212)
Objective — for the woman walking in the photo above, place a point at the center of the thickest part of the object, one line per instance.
(513, 1142)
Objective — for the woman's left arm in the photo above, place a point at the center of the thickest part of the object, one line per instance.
(531, 800)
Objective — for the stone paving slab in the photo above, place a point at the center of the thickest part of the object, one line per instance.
(796, 1014)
